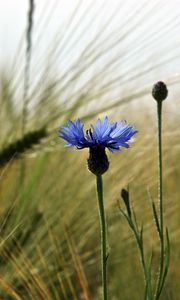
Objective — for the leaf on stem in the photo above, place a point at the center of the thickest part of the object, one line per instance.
(156, 219)
(167, 256)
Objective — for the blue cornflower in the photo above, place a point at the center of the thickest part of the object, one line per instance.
(112, 136)
(100, 136)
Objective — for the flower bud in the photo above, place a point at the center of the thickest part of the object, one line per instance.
(125, 197)
(159, 91)
(97, 162)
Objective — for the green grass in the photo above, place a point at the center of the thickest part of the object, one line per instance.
(49, 228)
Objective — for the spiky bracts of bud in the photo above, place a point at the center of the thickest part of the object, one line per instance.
(97, 162)
(159, 91)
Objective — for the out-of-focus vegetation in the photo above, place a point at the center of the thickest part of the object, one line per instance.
(49, 228)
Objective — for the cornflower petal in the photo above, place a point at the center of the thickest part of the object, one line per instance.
(73, 134)
(101, 129)
(113, 136)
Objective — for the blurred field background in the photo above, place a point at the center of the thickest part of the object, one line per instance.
(88, 59)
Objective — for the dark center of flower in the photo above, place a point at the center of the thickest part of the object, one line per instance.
(89, 133)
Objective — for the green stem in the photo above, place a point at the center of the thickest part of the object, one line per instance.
(160, 196)
(146, 274)
(139, 241)
(102, 217)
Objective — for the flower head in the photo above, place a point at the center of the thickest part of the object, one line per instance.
(100, 136)
(107, 135)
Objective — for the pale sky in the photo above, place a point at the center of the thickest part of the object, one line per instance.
(149, 31)
(13, 15)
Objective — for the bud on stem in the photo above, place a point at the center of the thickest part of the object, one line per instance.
(159, 91)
